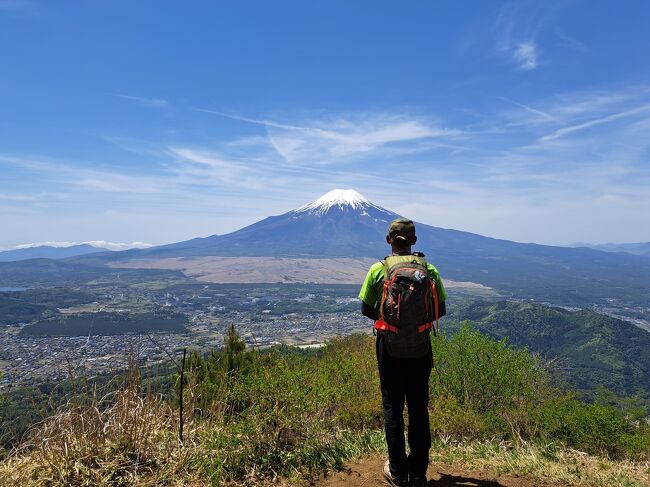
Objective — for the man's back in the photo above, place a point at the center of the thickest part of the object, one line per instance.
(404, 369)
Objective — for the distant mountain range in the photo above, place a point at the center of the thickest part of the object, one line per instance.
(344, 224)
(48, 252)
(641, 248)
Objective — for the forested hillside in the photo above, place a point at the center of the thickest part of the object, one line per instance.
(587, 349)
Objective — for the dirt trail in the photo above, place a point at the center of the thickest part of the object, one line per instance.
(367, 472)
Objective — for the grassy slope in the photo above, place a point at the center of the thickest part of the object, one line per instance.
(261, 418)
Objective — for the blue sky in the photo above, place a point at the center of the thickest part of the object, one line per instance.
(161, 121)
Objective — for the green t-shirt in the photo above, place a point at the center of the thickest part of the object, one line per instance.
(371, 290)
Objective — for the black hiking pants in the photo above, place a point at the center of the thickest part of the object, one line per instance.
(405, 379)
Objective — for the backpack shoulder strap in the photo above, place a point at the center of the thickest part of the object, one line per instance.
(384, 263)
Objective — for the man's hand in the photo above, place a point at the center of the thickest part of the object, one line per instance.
(369, 311)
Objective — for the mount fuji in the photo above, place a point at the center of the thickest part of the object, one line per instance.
(341, 223)
(336, 237)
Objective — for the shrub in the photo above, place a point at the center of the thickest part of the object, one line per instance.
(636, 444)
(448, 417)
(289, 412)
(487, 379)
(593, 428)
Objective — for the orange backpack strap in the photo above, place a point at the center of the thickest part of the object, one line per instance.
(425, 327)
(380, 324)
(383, 299)
(435, 302)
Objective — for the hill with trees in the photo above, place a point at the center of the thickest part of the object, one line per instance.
(588, 350)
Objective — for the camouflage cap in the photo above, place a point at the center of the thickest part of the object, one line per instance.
(401, 229)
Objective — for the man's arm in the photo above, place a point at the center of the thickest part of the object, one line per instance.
(368, 292)
(440, 289)
(369, 311)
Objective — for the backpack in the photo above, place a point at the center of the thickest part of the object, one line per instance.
(408, 306)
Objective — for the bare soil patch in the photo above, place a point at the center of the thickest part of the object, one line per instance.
(367, 472)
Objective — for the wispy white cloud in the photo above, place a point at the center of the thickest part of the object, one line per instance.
(535, 111)
(65, 174)
(595, 170)
(565, 40)
(522, 25)
(201, 166)
(590, 102)
(249, 141)
(517, 27)
(592, 123)
(266, 123)
(328, 141)
(16, 197)
(203, 157)
(148, 102)
(186, 176)
(118, 245)
(525, 55)
(344, 139)
(95, 243)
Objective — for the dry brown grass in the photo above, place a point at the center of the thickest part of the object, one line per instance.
(544, 465)
(126, 437)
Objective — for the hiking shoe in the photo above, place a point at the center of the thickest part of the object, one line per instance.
(394, 480)
(418, 482)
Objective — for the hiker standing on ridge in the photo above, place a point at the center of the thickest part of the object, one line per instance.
(405, 296)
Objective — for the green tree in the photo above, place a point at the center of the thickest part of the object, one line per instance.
(234, 348)
(1, 402)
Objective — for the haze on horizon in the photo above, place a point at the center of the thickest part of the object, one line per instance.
(155, 123)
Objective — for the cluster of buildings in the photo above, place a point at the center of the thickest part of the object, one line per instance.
(25, 359)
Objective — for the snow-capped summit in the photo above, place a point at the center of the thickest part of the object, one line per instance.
(341, 223)
(336, 197)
